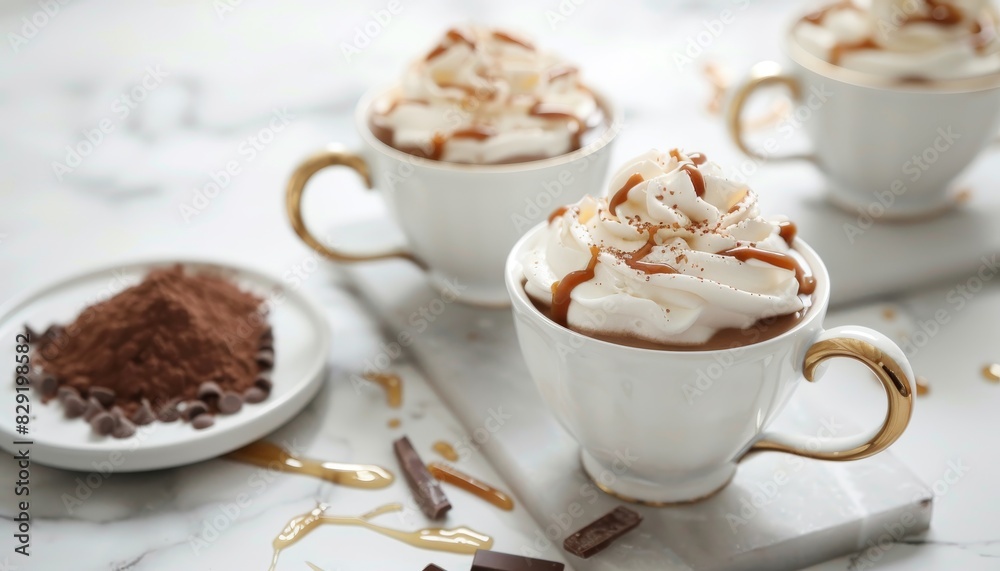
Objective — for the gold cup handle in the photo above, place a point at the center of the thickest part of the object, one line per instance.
(887, 361)
(765, 73)
(293, 200)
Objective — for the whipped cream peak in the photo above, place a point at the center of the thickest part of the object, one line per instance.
(676, 250)
(905, 39)
(486, 96)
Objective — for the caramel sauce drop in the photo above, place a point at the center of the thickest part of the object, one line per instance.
(621, 195)
(392, 384)
(923, 387)
(394, 423)
(991, 372)
(562, 289)
(478, 488)
(460, 540)
(271, 456)
(446, 451)
(633, 260)
(788, 230)
(807, 283)
(557, 213)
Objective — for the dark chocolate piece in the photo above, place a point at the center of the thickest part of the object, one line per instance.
(73, 406)
(194, 409)
(432, 567)
(123, 427)
(267, 335)
(263, 383)
(209, 390)
(602, 532)
(103, 395)
(53, 332)
(265, 358)
(103, 423)
(169, 412)
(203, 421)
(426, 489)
(65, 392)
(254, 395)
(496, 561)
(144, 414)
(48, 385)
(230, 403)
(94, 407)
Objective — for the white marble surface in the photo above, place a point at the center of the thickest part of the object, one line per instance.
(225, 77)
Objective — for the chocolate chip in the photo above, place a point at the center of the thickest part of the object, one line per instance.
(230, 403)
(263, 382)
(203, 421)
(123, 428)
(48, 385)
(53, 332)
(169, 412)
(103, 395)
(209, 390)
(265, 359)
(144, 414)
(254, 395)
(94, 407)
(194, 408)
(73, 406)
(102, 423)
(65, 392)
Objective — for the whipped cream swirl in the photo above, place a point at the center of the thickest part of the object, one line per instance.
(905, 39)
(661, 249)
(486, 96)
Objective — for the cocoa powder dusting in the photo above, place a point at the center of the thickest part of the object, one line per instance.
(160, 340)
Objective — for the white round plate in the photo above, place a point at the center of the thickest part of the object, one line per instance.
(301, 344)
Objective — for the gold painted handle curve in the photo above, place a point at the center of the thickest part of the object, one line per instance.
(891, 375)
(293, 201)
(763, 74)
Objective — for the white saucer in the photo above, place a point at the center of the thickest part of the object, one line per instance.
(301, 344)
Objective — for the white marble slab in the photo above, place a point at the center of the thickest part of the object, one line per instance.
(780, 512)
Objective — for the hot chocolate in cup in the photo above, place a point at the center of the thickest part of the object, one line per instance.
(466, 163)
(682, 370)
(897, 98)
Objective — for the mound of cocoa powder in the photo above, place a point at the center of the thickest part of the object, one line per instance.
(178, 344)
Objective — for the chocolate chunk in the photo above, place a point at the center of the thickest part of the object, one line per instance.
(263, 382)
(103, 395)
(496, 561)
(254, 395)
(123, 428)
(53, 332)
(65, 392)
(425, 488)
(203, 421)
(48, 385)
(144, 414)
(94, 407)
(209, 390)
(103, 423)
(169, 411)
(73, 406)
(432, 567)
(194, 408)
(597, 536)
(265, 358)
(230, 403)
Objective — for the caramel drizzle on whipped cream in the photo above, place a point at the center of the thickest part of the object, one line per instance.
(562, 289)
(807, 283)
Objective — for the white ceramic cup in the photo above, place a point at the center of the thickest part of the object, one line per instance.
(662, 427)
(889, 148)
(460, 220)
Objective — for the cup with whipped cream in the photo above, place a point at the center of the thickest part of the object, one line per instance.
(473, 146)
(669, 323)
(897, 98)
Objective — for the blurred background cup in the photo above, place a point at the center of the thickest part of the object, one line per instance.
(459, 220)
(661, 427)
(900, 144)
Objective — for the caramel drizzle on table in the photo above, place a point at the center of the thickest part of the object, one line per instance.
(450, 475)
(807, 283)
(392, 384)
(447, 451)
(562, 289)
(621, 196)
(460, 540)
(273, 457)
(633, 259)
